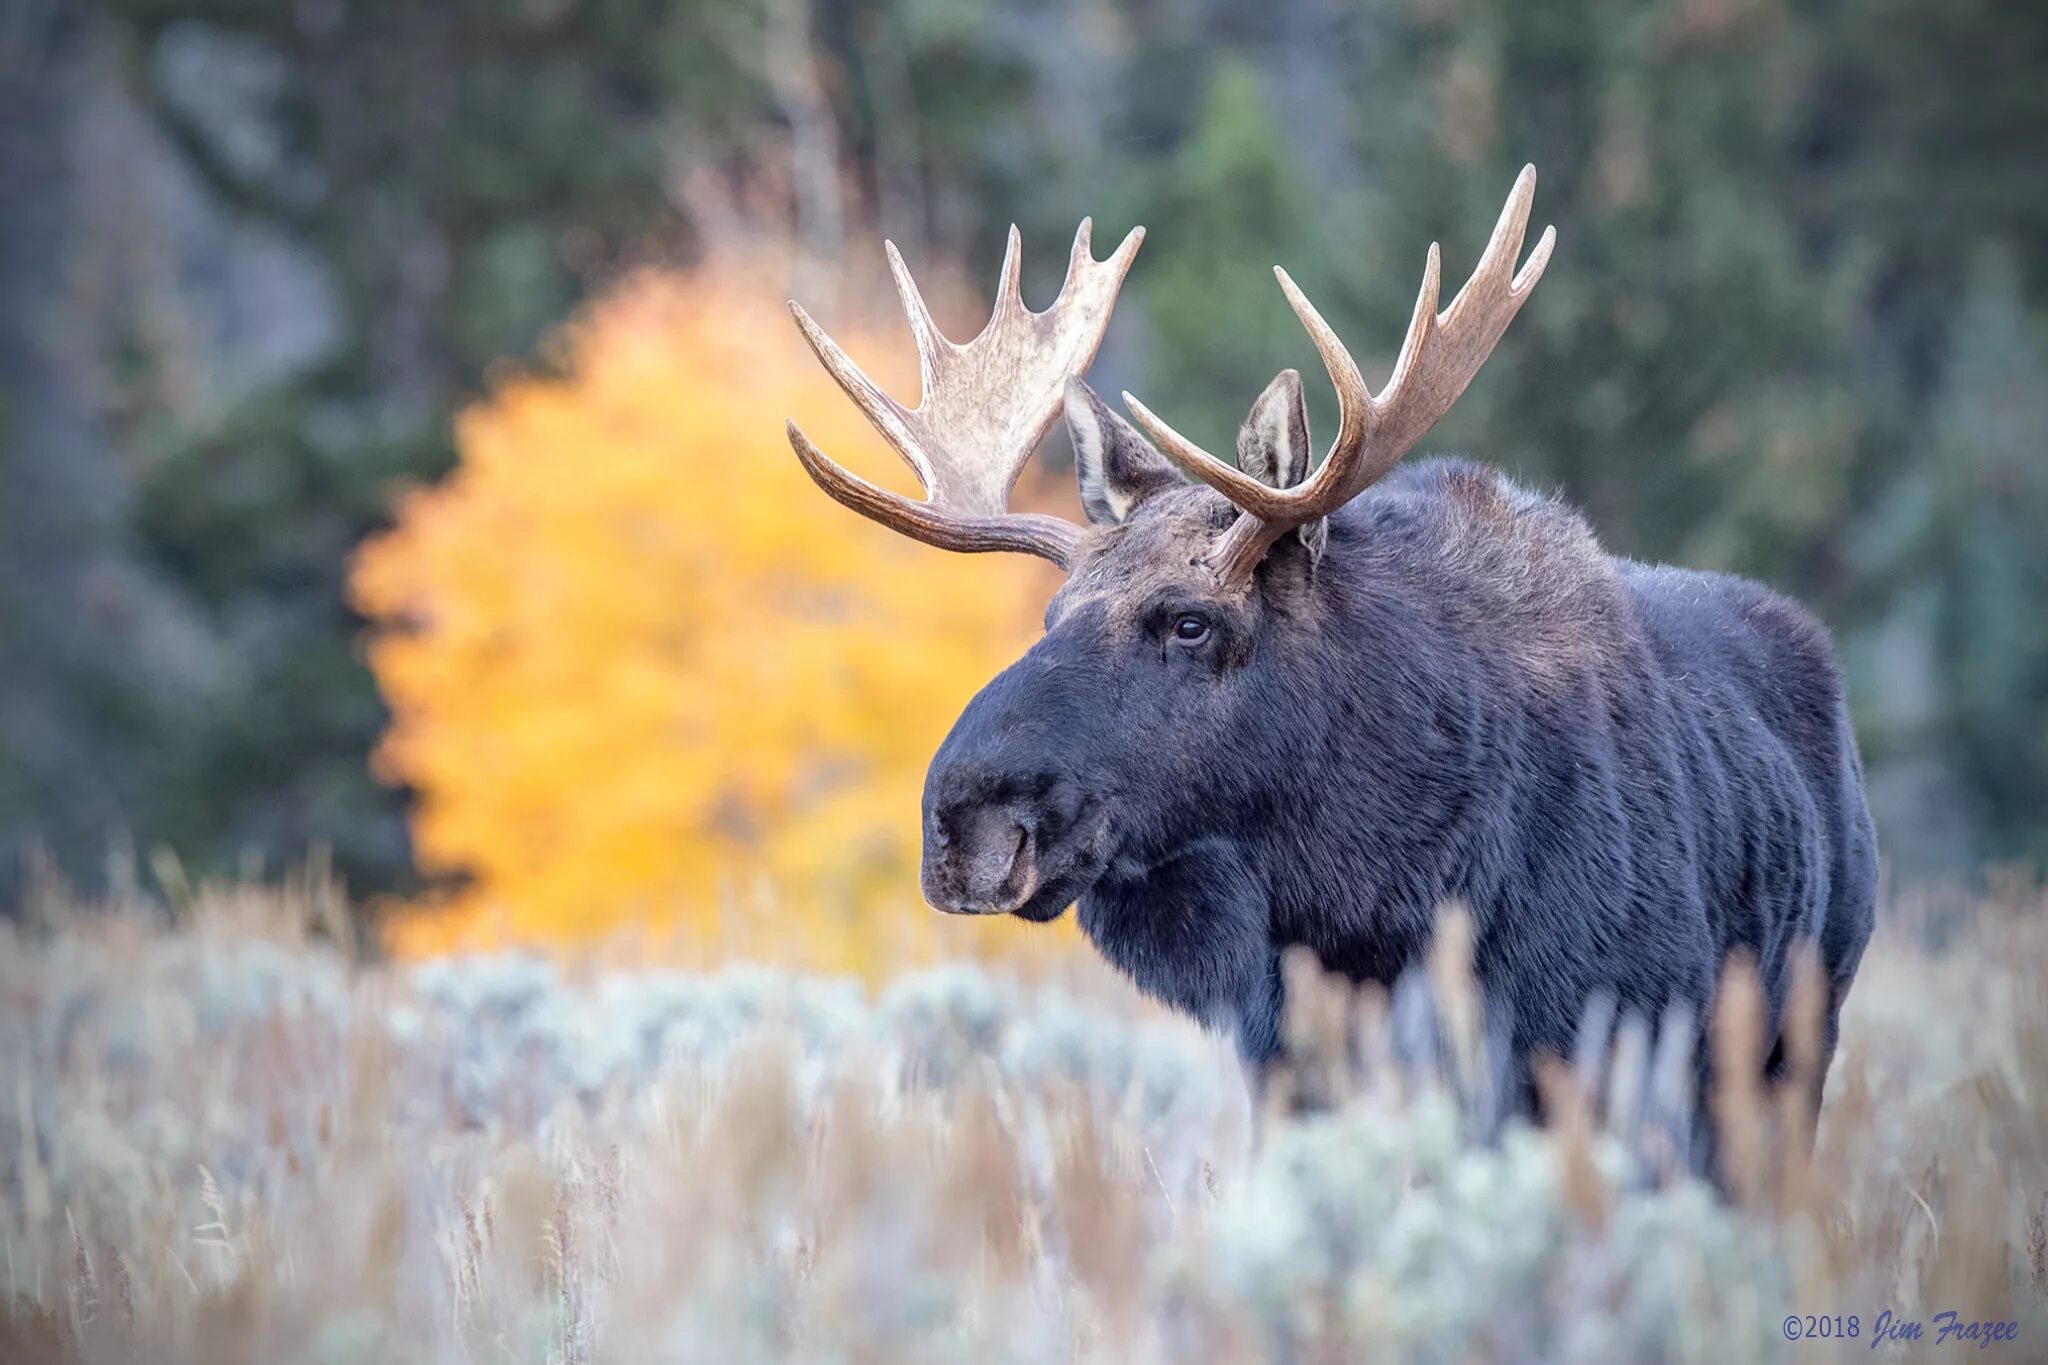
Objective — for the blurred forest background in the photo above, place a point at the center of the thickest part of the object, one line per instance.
(256, 257)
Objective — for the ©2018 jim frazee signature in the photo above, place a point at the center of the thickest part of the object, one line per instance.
(1946, 1328)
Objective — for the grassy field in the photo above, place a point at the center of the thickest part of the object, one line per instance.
(225, 1141)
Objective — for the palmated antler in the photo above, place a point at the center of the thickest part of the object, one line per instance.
(1441, 354)
(983, 408)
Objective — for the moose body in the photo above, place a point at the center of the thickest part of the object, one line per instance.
(1311, 705)
(1626, 772)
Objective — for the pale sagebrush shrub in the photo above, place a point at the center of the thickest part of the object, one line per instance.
(222, 1141)
(1380, 1232)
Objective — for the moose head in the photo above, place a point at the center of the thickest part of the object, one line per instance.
(1175, 693)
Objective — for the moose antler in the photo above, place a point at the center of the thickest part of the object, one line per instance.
(1438, 359)
(982, 410)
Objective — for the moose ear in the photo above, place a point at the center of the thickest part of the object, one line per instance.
(1272, 447)
(1118, 468)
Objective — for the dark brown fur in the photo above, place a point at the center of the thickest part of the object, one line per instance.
(1445, 693)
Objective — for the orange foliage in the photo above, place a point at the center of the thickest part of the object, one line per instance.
(639, 668)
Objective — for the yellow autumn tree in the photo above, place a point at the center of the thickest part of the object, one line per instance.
(641, 672)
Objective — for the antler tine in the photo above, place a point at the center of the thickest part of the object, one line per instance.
(924, 333)
(1505, 241)
(1031, 533)
(1439, 356)
(888, 416)
(1119, 261)
(1082, 258)
(1503, 247)
(1422, 324)
(1532, 269)
(982, 409)
(1083, 250)
(1354, 400)
(1354, 411)
(1010, 282)
(1246, 492)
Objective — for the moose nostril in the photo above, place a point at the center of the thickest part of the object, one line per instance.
(1020, 878)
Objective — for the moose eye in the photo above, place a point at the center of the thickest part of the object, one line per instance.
(1190, 628)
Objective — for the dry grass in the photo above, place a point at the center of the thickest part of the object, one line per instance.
(223, 1141)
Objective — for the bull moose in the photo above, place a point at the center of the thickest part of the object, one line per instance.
(1295, 704)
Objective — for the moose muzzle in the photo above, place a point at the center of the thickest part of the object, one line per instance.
(1013, 825)
(981, 858)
